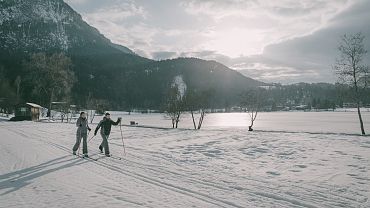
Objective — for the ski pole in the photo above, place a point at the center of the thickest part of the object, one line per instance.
(91, 138)
(123, 143)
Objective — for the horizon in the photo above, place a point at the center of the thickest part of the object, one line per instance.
(276, 42)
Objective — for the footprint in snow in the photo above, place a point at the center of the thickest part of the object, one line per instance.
(301, 166)
(340, 152)
(237, 188)
(273, 173)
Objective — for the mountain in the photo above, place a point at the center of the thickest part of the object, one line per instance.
(122, 48)
(152, 80)
(49, 25)
(105, 70)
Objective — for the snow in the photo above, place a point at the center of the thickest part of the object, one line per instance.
(311, 122)
(178, 81)
(34, 105)
(213, 167)
(5, 118)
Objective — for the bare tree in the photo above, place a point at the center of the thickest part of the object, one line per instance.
(91, 104)
(253, 100)
(174, 105)
(64, 111)
(17, 83)
(351, 70)
(95, 107)
(8, 97)
(197, 102)
(51, 76)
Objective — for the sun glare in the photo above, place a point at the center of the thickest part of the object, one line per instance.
(236, 42)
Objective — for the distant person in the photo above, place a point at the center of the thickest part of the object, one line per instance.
(82, 129)
(105, 125)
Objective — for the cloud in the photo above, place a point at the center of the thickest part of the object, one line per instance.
(162, 55)
(285, 40)
(118, 12)
(122, 22)
(76, 1)
(318, 51)
(246, 27)
(229, 27)
(307, 57)
(276, 73)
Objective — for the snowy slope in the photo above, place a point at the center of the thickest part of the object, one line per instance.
(183, 168)
(48, 25)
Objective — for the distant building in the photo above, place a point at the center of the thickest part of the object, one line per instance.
(268, 87)
(27, 112)
(301, 107)
(350, 105)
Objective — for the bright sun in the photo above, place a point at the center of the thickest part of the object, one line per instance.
(236, 42)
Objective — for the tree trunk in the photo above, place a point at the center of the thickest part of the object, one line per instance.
(51, 100)
(92, 116)
(177, 119)
(192, 115)
(252, 122)
(358, 103)
(251, 127)
(360, 118)
(202, 114)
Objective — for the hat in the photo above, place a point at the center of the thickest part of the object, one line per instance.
(107, 114)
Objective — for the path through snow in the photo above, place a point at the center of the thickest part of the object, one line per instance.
(183, 168)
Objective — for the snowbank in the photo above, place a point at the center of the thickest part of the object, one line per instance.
(182, 168)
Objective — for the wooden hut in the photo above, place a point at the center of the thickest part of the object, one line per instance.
(27, 112)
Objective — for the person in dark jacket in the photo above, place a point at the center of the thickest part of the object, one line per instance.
(82, 129)
(105, 125)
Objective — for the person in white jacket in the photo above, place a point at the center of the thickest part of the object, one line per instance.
(82, 129)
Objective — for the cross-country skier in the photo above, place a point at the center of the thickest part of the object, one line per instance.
(105, 125)
(82, 129)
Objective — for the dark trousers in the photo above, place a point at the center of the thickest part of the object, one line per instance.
(78, 142)
(104, 143)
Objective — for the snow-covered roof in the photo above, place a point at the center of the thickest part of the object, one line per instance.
(34, 105)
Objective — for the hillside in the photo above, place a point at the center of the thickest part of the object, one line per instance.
(47, 26)
(104, 70)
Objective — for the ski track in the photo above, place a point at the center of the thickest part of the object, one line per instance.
(182, 168)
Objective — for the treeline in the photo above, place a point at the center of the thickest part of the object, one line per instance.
(313, 96)
(130, 82)
(114, 81)
(44, 79)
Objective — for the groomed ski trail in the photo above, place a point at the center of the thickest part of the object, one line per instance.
(151, 177)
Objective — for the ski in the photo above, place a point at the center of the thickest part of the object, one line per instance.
(87, 158)
(111, 156)
(115, 157)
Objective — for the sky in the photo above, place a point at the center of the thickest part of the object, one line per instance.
(286, 41)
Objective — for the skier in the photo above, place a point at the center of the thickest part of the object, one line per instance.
(105, 125)
(82, 129)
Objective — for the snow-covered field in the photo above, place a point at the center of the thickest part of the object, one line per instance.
(312, 122)
(213, 167)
